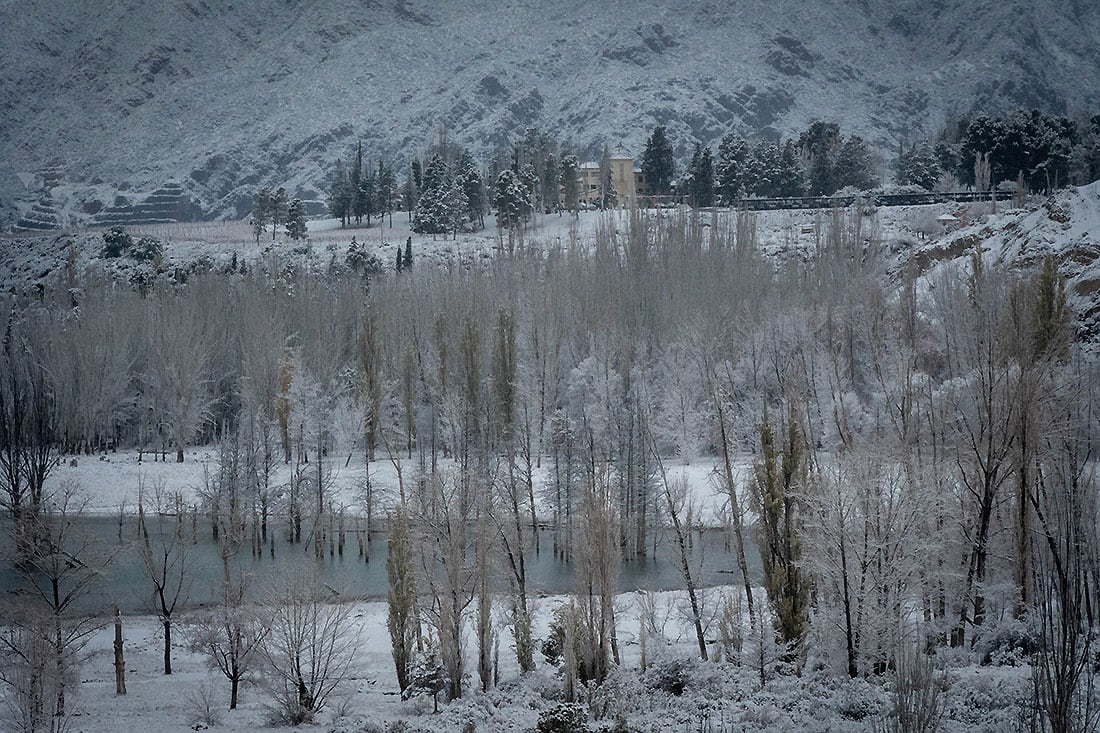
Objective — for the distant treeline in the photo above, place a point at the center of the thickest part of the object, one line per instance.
(448, 191)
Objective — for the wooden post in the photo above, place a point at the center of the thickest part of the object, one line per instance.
(120, 664)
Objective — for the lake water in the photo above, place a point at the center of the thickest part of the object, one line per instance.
(125, 583)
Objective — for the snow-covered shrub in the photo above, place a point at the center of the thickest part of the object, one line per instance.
(116, 243)
(361, 260)
(428, 677)
(670, 675)
(146, 249)
(987, 700)
(370, 726)
(859, 699)
(564, 718)
(678, 676)
(622, 693)
(553, 645)
(1009, 643)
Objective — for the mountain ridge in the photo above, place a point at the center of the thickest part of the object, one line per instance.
(220, 98)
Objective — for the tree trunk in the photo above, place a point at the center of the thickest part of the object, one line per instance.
(120, 662)
(167, 646)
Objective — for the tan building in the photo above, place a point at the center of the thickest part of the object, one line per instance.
(625, 178)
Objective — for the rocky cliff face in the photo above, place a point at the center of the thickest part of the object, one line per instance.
(109, 108)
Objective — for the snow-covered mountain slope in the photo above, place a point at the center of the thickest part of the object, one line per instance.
(1066, 226)
(104, 103)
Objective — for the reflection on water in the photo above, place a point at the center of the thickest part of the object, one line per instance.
(125, 583)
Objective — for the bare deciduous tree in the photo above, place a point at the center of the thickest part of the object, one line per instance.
(309, 647)
(166, 556)
(231, 634)
(48, 624)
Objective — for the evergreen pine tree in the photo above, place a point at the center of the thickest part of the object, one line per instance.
(984, 136)
(550, 193)
(435, 174)
(456, 207)
(384, 191)
(658, 165)
(366, 197)
(757, 169)
(820, 144)
(570, 186)
(700, 177)
(511, 199)
(529, 178)
(473, 188)
(339, 196)
(733, 151)
(355, 183)
(409, 253)
(434, 209)
(790, 180)
(918, 166)
(608, 195)
(279, 203)
(854, 165)
(296, 220)
(261, 212)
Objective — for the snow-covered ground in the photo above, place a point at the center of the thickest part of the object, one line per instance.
(111, 481)
(43, 258)
(717, 696)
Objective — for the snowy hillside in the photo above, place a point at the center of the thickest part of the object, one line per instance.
(102, 105)
(1066, 225)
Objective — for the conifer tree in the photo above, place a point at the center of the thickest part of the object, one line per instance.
(733, 151)
(473, 188)
(762, 168)
(279, 202)
(551, 199)
(608, 195)
(511, 199)
(437, 210)
(296, 220)
(820, 144)
(360, 194)
(918, 166)
(340, 194)
(854, 166)
(658, 165)
(261, 212)
(700, 177)
(570, 188)
(790, 179)
(384, 188)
